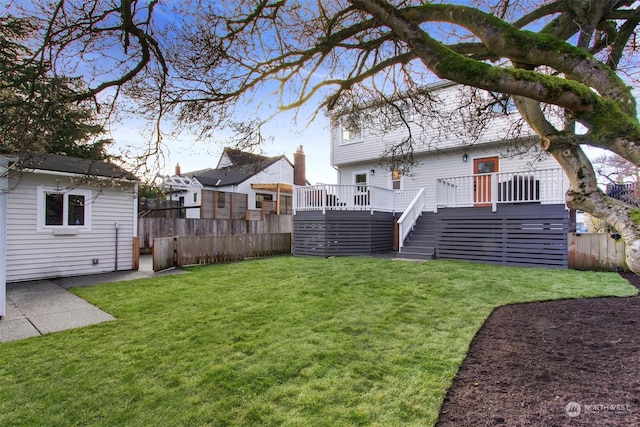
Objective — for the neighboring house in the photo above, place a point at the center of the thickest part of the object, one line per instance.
(481, 167)
(264, 183)
(625, 191)
(68, 217)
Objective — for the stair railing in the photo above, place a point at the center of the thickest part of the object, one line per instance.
(410, 216)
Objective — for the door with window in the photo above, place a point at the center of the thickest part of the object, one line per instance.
(483, 169)
(361, 183)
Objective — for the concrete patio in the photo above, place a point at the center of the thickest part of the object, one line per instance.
(46, 306)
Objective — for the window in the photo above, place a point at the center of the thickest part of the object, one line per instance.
(221, 199)
(502, 104)
(360, 179)
(362, 189)
(401, 112)
(59, 209)
(54, 207)
(263, 198)
(76, 210)
(396, 180)
(351, 126)
(195, 197)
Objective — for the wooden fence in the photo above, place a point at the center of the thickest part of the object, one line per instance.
(596, 252)
(153, 228)
(181, 251)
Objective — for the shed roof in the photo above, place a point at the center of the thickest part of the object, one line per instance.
(74, 165)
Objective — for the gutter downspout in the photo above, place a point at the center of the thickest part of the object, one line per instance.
(116, 264)
(4, 188)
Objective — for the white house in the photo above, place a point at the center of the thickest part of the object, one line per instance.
(67, 217)
(264, 180)
(478, 183)
(460, 148)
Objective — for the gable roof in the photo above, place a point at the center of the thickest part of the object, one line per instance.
(230, 175)
(243, 166)
(74, 165)
(382, 100)
(235, 157)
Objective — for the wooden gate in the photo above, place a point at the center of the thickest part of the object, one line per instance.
(164, 256)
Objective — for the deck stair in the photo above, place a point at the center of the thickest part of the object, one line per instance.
(421, 241)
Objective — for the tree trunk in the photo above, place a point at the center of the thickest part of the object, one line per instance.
(584, 194)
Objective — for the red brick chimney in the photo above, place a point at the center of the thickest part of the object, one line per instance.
(178, 169)
(299, 167)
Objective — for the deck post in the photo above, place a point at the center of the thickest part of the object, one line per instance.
(494, 192)
(294, 199)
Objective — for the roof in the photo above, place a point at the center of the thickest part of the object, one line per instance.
(231, 175)
(245, 165)
(238, 157)
(74, 165)
(375, 103)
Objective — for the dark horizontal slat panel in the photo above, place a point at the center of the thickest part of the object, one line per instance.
(339, 233)
(531, 235)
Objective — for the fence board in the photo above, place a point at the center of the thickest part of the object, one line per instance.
(152, 228)
(596, 252)
(193, 250)
(163, 253)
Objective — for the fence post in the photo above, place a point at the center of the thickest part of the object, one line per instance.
(136, 254)
(175, 251)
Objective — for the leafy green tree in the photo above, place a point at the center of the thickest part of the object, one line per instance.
(38, 112)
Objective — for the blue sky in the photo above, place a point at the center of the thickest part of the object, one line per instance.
(286, 133)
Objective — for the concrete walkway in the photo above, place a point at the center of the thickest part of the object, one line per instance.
(45, 306)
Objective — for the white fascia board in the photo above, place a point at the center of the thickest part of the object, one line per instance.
(75, 175)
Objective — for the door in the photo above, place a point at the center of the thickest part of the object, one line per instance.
(482, 182)
(362, 189)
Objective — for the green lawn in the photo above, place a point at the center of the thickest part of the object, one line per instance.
(279, 341)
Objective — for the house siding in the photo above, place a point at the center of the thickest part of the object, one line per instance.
(443, 165)
(279, 172)
(192, 207)
(33, 254)
(427, 138)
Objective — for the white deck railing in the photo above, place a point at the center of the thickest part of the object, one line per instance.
(411, 215)
(545, 186)
(325, 197)
(351, 197)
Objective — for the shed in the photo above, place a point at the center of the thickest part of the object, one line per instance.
(67, 216)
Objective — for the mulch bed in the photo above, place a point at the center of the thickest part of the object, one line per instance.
(555, 363)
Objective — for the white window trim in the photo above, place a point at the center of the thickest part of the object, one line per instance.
(405, 113)
(65, 228)
(391, 180)
(351, 141)
(362, 172)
